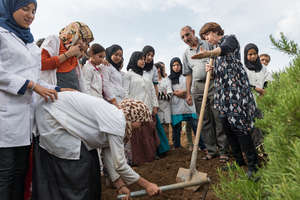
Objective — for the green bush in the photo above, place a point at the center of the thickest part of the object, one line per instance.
(280, 178)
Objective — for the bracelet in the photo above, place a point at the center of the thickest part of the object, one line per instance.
(66, 56)
(33, 85)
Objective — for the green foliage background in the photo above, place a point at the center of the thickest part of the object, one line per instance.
(280, 178)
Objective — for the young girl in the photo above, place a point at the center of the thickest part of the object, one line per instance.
(19, 80)
(150, 71)
(112, 76)
(92, 71)
(60, 55)
(233, 98)
(164, 97)
(181, 111)
(257, 73)
(144, 141)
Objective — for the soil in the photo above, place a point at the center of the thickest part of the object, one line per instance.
(164, 171)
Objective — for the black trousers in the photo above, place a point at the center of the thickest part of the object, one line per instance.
(13, 169)
(241, 142)
(59, 179)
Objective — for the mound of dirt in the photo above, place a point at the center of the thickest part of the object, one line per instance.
(164, 171)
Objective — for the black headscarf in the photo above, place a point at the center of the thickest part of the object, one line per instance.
(135, 56)
(252, 66)
(147, 49)
(174, 76)
(109, 52)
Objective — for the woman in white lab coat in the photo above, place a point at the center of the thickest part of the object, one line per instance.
(19, 79)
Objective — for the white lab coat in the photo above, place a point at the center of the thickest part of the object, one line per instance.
(164, 111)
(113, 83)
(93, 79)
(179, 105)
(18, 62)
(140, 88)
(77, 117)
(258, 79)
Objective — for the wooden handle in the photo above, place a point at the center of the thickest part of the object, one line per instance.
(200, 122)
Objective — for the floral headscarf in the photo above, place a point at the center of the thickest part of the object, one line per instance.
(135, 111)
(75, 31)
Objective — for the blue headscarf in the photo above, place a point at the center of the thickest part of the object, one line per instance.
(7, 8)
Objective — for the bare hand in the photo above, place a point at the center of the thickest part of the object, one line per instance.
(155, 110)
(74, 51)
(260, 91)
(202, 54)
(189, 100)
(105, 62)
(45, 92)
(208, 67)
(124, 190)
(68, 89)
(152, 189)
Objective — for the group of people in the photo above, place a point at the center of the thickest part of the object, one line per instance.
(69, 109)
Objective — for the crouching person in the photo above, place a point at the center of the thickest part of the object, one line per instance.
(67, 171)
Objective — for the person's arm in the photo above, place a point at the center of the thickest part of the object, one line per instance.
(107, 85)
(50, 63)
(154, 100)
(189, 98)
(116, 165)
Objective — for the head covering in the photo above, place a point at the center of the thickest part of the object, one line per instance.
(74, 32)
(174, 76)
(252, 66)
(147, 49)
(7, 21)
(109, 52)
(134, 111)
(135, 56)
(159, 66)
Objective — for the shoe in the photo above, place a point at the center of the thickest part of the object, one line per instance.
(223, 159)
(208, 157)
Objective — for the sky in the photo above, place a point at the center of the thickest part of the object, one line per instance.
(135, 23)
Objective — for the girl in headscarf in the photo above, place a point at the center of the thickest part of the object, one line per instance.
(257, 73)
(19, 80)
(150, 72)
(112, 76)
(145, 141)
(233, 97)
(60, 55)
(65, 175)
(181, 111)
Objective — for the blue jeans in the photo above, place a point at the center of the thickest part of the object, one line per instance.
(177, 130)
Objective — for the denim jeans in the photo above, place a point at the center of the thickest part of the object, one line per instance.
(177, 130)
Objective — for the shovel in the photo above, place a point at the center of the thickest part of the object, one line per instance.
(191, 174)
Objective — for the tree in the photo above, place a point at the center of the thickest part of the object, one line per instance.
(285, 45)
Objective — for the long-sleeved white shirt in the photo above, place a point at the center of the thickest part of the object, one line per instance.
(93, 79)
(112, 83)
(140, 88)
(77, 117)
(18, 62)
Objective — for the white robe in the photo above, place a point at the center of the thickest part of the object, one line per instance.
(77, 117)
(93, 79)
(164, 111)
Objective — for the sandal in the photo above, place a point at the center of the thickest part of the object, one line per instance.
(223, 159)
